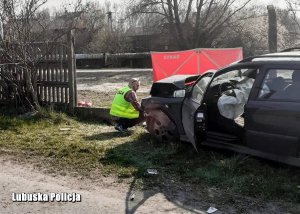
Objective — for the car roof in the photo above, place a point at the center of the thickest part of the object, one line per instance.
(290, 53)
(285, 56)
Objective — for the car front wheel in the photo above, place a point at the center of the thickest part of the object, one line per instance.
(160, 126)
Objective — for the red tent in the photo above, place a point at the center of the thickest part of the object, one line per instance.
(195, 61)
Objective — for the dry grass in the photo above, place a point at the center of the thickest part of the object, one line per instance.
(90, 147)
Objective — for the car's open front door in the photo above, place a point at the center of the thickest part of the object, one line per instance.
(190, 105)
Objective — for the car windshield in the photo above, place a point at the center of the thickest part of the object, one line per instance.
(238, 76)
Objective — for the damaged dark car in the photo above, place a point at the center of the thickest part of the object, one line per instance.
(251, 107)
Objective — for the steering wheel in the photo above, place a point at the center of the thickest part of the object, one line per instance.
(225, 86)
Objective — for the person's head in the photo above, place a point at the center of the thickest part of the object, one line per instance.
(134, 84)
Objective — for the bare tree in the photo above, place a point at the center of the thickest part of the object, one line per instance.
(17, 16)
(192, 23)
(111, 37)
(292, 20)
(24, 23)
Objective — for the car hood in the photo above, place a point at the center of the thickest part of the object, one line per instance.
(166, 87)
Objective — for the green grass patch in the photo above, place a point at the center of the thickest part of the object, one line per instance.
(64, 143)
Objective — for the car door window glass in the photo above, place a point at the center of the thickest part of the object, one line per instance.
(282, 84)
(199, 88)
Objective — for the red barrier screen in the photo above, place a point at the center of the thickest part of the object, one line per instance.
(195, 61)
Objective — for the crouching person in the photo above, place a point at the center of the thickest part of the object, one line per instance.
(125, 108)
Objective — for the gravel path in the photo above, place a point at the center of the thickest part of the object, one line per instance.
(99, 86)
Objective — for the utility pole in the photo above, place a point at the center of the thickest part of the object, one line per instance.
(109, 20)
(272, 33)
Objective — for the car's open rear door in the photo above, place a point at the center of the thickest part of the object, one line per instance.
(191, 104)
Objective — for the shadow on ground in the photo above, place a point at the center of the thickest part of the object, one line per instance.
(196, 181)
(107, 135)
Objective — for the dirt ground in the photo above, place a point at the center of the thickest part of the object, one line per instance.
(108, 195)
(104, 195)
(99, 86)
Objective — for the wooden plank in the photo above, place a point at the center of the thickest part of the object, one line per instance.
(34, 77)
(46, 72)
(56, 66)
(65, 67)
(1, 89)
(45, 65)
(68, 95)
(46, 94)
(38, 71)
(56, 73)
(61, 52)
(57, 95)
(71, 69)
(52, 70)
(39, 93)
(60, 78)
(64, 75)
(62, 95)
(41, 87)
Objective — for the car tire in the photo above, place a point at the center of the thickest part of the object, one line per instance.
(160, 126)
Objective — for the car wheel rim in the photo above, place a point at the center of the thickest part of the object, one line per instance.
(160, 125)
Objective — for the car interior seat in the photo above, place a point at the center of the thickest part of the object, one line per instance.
(292, 91)
(277, 84)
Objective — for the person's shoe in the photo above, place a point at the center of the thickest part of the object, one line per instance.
(120, 128)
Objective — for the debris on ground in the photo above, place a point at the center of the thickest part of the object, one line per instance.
(64, 129)
(84, 104)
(152, 171)
(211, 210)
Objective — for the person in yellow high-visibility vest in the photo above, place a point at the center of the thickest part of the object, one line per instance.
(125, 108)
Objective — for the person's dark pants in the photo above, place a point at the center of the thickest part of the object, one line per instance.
(127, 123)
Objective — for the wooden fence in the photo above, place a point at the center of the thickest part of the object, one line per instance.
(54, 73)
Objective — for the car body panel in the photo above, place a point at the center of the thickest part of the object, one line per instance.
(190, 106)
(162, 92)
(166, 87)
(271, 127)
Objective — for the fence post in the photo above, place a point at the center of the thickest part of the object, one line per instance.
(72, 71)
